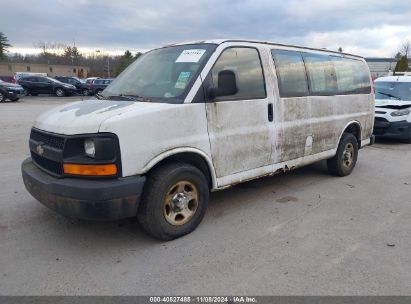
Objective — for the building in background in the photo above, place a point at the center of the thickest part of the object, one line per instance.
(9, 68)
(382, 66)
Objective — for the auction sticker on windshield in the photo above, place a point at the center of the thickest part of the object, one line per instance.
(190, 55)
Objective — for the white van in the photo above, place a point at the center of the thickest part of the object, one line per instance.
(393, 107)
(189, 118)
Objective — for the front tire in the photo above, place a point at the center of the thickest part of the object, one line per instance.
(86, 92)
(15, 99)
(60, 92)
(408, 141)
(2, 97)
(174, 201)
(343, 163)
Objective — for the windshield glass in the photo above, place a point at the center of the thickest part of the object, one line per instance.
(53, 80)
(79, 80)
(162, 75)
(393, 90)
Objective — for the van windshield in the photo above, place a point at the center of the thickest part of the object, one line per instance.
(393, 90)
(162, 75)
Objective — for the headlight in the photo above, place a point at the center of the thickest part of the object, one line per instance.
(403, 112)
(90, 148)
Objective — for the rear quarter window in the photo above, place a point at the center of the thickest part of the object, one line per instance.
(352, 76)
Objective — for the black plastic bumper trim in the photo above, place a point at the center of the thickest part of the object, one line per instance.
(83, 198)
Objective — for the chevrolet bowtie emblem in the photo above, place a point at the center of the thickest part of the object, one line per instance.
(40, 149)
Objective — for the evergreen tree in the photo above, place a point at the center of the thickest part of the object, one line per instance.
(125, 61)
(4, 45)
(402, 64)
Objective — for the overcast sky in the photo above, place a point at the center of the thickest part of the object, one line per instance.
(367, 28)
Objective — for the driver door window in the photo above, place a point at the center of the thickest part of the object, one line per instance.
(246, 64)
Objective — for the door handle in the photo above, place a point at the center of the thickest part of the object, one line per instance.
(270, 112)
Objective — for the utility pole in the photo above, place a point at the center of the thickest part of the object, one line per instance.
(108, 65)
(74, 42)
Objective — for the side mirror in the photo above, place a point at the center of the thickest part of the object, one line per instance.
(227, 85)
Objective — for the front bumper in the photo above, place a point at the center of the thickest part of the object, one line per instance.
(83, 198)
(397, 130)
(14, 94)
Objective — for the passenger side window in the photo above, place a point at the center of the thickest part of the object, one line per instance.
(321, 74)
(42, 80)
(292, 78)
(246, 64)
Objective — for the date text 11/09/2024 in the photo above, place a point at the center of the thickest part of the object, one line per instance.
(203, 299)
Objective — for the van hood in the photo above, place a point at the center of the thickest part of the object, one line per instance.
(392, 103)
(84, 116)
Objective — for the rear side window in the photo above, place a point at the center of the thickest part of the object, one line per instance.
(321, 74)
(352, 76)
(246, 64)
(292, 79)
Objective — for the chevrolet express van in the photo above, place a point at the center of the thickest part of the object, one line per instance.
(189, 118)
(393, 107)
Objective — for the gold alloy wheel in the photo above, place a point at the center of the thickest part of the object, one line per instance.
(348, 155)
(180, 203)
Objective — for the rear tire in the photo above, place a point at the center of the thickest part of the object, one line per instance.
(86, 92)
(34, 94)
(60, 92)
(15, 99)
(174, 201)
(343, 163)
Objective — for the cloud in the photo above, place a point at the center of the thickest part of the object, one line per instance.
(368, 28)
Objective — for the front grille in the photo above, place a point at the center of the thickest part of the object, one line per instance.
(47, 139)
(47, 164)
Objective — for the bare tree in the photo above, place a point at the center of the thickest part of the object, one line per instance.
(405, 48)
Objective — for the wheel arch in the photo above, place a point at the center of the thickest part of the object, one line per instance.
(191, 156)
(353, 127)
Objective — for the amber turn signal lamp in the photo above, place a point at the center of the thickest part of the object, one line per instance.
(90, 170)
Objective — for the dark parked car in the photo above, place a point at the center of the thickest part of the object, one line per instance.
(81, 86)
(98, 85)
(35, 85)
(10, 91)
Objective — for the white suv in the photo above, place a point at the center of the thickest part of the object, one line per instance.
(393, 107)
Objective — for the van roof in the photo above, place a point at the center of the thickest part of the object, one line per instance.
(393, 79)
(220, 41)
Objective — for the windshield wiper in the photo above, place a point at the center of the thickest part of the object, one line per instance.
(389, 95)
(132, 97)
